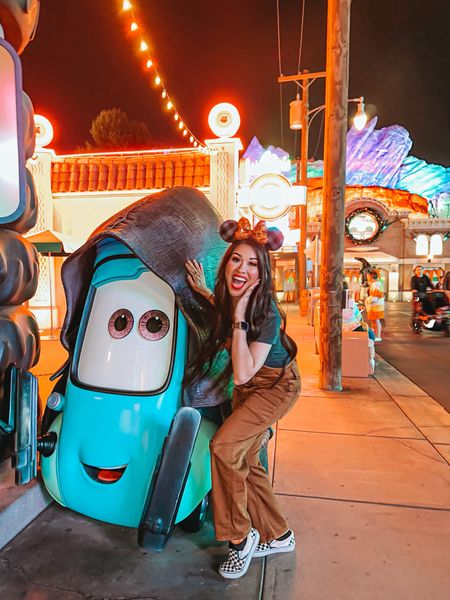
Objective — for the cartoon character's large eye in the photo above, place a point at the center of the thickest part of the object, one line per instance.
(154, 325)
(120, 323)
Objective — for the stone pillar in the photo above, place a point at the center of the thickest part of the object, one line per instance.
(224, 175)
(41, 168)
(43, 301)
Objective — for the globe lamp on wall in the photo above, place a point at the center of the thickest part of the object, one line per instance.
(44, 131)
(224, 120)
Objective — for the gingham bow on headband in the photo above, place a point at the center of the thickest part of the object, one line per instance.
(241, 230)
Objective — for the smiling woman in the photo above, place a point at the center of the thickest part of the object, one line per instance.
(242, 270)
(249, 324)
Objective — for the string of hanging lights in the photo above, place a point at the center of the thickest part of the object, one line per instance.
(149, 64)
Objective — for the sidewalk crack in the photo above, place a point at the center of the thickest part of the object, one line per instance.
(418, 451)
(19, 569)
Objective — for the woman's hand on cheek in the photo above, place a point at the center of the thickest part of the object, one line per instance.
(241, 306)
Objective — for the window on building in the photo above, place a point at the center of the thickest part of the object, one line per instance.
(436, 248)
(422, 245)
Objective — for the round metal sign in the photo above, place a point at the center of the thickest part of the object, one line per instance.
(270, 196)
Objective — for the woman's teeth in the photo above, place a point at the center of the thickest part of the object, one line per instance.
(238, 282)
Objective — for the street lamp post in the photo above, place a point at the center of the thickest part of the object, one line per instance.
(301, 120)
(305, 79)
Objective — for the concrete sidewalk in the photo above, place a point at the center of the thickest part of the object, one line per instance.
(363, 477)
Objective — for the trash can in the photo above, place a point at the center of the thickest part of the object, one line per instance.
(304, 294)
(313, 298)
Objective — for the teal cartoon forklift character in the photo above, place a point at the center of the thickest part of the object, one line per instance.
(122, 440)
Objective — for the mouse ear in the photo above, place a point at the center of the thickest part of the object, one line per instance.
(275, 239)
(227, 230)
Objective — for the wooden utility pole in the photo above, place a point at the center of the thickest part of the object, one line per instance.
(303, 181)
(333, 214)
(306, 78)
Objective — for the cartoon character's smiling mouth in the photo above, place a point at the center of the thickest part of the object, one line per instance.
(104, 474)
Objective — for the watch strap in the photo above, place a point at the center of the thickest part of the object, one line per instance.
(241, 325)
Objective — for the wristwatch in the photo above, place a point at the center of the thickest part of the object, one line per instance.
(241, 325)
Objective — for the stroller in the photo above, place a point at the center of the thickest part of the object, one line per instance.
(431, 312)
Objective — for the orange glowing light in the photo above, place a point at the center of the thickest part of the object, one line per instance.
(157, 81)
(195, 144)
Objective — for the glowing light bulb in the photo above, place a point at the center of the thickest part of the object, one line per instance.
(169, 105)
(191, 139)
(360, 119)
(134, 26)
(126, 5)
(163, 94)
(185, 132)
(175, 116)
(180, 125)
(149, 64)
(157, 80)
(144, 46)
(195, 144)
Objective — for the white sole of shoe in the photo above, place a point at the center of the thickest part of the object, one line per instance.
(247, 562)
(274, 551)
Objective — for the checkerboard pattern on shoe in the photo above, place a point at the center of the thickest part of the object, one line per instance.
(238, 561)
(276, 546)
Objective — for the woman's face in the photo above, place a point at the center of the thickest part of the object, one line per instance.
(241, 270)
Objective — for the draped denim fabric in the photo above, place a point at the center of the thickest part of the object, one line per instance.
(163, 230)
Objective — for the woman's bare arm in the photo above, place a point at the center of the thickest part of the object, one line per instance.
(197, 281)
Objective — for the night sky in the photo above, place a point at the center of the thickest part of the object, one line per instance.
(82, 61)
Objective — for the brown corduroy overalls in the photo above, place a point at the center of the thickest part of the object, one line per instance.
(242, 495)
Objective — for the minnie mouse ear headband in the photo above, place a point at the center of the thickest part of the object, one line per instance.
(233, 231)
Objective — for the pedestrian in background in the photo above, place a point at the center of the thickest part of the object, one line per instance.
(375, 303)
(446, 281)
(420, 283)
(249, 324)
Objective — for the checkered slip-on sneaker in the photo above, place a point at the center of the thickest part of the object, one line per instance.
(238, 561)
(275, 546)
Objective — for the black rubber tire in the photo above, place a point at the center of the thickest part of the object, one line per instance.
(195, 521)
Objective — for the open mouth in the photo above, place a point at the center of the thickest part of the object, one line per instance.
(237, 283)
(104, 475)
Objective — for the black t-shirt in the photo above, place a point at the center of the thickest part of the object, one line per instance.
(420, 284)
(270, 334)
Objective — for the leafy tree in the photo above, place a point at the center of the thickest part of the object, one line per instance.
(112, 130)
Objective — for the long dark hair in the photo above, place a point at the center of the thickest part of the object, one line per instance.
(261, 304)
